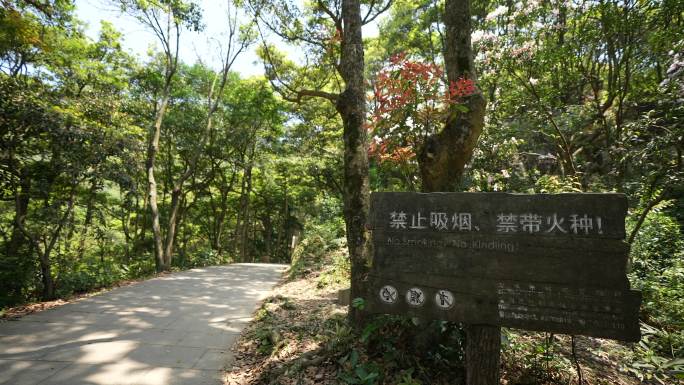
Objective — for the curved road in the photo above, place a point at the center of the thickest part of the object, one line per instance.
(175, 329)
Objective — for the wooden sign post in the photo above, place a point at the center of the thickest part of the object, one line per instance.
(547, 262)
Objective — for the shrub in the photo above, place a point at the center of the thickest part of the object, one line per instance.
(657, 256)
(319, 239)
(658, 246)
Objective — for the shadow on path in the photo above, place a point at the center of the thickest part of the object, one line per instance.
(175, 329)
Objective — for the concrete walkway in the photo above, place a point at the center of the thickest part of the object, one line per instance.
(171, 330)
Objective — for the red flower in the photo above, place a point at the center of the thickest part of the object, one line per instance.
(461, 88)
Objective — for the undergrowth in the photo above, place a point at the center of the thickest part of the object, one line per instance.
(390, 349)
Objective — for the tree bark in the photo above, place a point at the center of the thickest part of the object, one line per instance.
(171, 226)
(46, 277)
(169, 37)
(268, 237)
(244, 210)
(281, 242)
(444, 155)
(152, 151)
(483, 345)
(90, 207)
(350, 104)
(352, 108)
(45, 263)
(442, 161)
(219, 210)
(642, 217)
(21, 204)
(49, 241)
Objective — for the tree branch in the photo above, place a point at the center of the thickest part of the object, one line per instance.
(642, 216)
(316, 93)
(300, 94)
(565, 145)
(335, 18)
(369, 18)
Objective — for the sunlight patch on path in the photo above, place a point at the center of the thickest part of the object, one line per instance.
(175, 329)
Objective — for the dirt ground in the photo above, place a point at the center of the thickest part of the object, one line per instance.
(283, 346)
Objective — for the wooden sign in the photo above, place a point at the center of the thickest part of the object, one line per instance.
(548, 262)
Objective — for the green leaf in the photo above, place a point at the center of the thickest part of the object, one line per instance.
(368, 331)
(675, 362)
(461, 108)
(361, 372)
(349, 379)
(359, 303)
(372, 376)
(354, 359)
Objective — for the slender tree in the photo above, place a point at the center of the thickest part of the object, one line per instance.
(165, 18)
(342, 52)
(442, 162)
(236, 42)
(444, 154)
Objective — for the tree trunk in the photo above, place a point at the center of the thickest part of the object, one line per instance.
(46, 277)
(268, 237)
(352, 108)
(242, 220)
(213, 101)
(177, 192)
(244, 212)
(125, 219)
(483, 344)
(126, 209)
(171, 227)
(50, 240)
(235, 248)
(152, 151)
(444, 155)
(141, 219)
(219, 222)
(442, 161)
(88, 218)
(350, 104)
(185, 206)
(175, 218)
(281, 242)
(21, 204)
(218, 218)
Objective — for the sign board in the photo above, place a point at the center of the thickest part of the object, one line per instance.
(547, 262)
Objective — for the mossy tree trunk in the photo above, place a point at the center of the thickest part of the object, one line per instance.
(351, 106)
(442, 160)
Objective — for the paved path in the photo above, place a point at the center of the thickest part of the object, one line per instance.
(171, 330)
